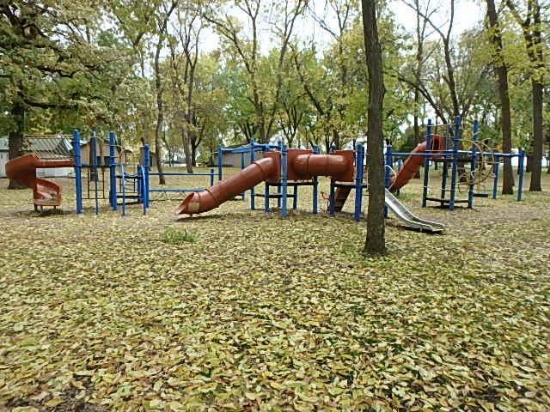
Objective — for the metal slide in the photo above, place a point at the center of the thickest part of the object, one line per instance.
(410, 220)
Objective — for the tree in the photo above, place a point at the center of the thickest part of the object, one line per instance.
(501, 69)
(338, 24)
(531, 26)
(375, 242)
(421, 26)
(135, 23)
(162, 32)
(245, 49)
(184, 68)
(48, 58)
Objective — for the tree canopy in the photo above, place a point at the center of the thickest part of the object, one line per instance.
(191, 75)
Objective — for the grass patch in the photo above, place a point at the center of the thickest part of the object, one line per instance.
(173, 236)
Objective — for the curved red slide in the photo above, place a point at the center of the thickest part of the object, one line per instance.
(22, 170)
(247, 178)
(302, 166)
(414, 163)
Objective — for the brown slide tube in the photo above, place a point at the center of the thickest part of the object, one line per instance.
(22, 170)
(413, 163)
(247, 178)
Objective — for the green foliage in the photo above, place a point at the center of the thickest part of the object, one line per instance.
(54, 68)
(174, 237)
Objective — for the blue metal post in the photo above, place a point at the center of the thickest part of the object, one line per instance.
(429, 132)
(95, 171)
(389, 165)
(77, 171)
(454, 176)
(284, 180)
(142, 186)
(146, 178)
(266, 198)
(473, 164)
(252, 190)
(495, 179)
(359, 171)
(112, 171)
(123, 181)
(315, 187)
(521, 167)
(212, 174)
(220, 162)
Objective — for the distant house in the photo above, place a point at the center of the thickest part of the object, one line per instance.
(102, 152)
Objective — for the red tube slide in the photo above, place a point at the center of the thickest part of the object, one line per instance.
(302, 166)
(413, 163)
(22, 170)
(249, 177)
(339, 167)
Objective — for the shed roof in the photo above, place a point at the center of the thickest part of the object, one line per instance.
(58, 144)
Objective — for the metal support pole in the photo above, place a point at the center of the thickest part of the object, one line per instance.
(253, 189)
(123, 181)
(454, 176)
(266, 198)
(95, 171)
(284, 181)
(112, 171)
(429, 132)
(220, 162)
(495, 179)
(315, 187)
(521, 167)
(146, 178)
(473, 164)
(359, 171)
(77, 171)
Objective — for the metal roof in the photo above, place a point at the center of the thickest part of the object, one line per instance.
(58, 144)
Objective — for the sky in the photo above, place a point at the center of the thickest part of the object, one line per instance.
(467, 14)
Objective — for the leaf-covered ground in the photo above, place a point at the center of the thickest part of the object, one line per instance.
(239, 310)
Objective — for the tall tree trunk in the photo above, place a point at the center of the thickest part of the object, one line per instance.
(158, 88)
(503, 92)
(186, 149)
(160, 115)
(15, 139)
(532, 33)
(538, 135)
(375, 242)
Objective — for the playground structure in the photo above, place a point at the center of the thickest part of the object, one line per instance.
(294, 168)
(123, 186)
(278, 167)
(479, 164)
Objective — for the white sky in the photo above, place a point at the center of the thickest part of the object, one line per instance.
(467, 14)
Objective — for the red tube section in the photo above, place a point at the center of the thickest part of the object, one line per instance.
(209, 199)
(339, 166)
(302, 165)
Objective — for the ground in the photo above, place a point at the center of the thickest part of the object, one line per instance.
(239, 310)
